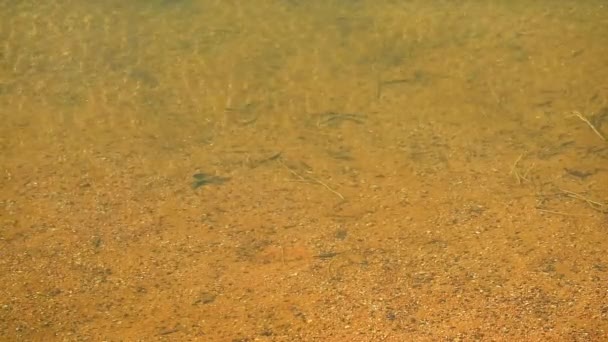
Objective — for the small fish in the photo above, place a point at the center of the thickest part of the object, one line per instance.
(201, 179)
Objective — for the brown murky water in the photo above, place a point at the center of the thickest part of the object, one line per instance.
(303, 170)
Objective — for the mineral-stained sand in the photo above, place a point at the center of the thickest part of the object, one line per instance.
(394, 171)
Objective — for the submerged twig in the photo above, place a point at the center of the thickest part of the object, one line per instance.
(515, 171)
(599, 206)
(558, 212)
(310, 179)
(585, 120)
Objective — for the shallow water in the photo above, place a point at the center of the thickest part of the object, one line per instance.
(303, 170)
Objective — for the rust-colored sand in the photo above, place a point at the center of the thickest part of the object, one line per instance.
(365, 171)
